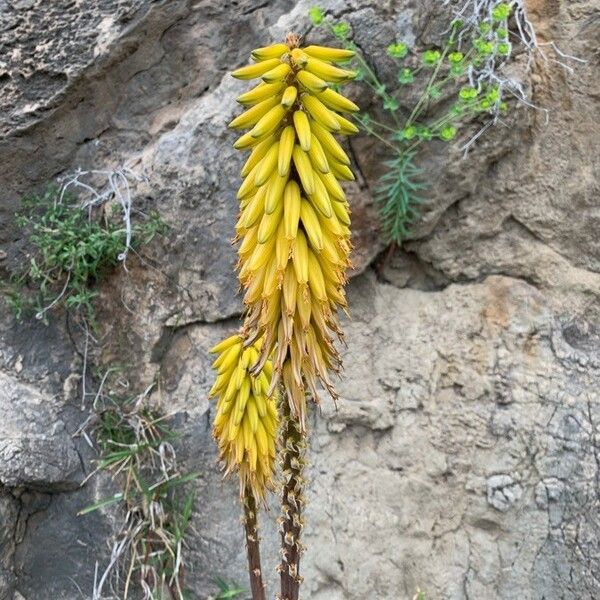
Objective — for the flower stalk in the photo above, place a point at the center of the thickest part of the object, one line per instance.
(294, 235)
(257, 585)
(293, 448)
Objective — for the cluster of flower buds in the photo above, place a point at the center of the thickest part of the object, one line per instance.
(246, 423)
(294, 216)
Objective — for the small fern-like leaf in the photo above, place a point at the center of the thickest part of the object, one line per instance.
(398, 196)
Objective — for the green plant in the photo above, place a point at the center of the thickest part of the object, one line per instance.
(136, 447)
(71, 248)
(458, 83)
(227, 590)
(398, 195)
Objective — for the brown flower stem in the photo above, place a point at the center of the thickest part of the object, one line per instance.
(252, 545)
(292, 503)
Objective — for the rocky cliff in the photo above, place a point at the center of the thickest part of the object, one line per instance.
(464, 458)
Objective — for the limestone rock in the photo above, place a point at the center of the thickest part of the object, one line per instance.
(36, 451)
(503, 492)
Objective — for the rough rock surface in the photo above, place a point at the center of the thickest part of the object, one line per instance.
(30, 433)
(464, 458)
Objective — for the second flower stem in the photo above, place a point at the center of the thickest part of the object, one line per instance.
(257, 585)
(292, 502)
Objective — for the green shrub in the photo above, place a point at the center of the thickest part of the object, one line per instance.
(70, 250)
(463, 71)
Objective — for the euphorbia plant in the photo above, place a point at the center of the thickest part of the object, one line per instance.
(294, 252)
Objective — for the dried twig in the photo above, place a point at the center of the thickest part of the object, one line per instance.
(114, 185)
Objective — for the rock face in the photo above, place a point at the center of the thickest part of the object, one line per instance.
(30, 432)
(473, 470)
(463, 459)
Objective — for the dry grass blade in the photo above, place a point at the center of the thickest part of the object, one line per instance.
(137, 449)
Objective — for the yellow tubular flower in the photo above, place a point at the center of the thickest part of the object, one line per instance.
(246, 422)
(294, 221)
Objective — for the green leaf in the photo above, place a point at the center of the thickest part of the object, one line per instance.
(72, 249)
(424, 133)
(431, 57)
(398, 50)
(106, 502)
(233, 593)
(493, 95)
(316, 15)
(448, 133)
(360, 74)
(501, 12)
(409, 133)
(340, 30)
(457, 70)
(397, 196)
(456, 110)
(484, 47)
(501, 33)
(380, 89)
(405, 76)
(467, 93)
(455, 57)
(227, 590)
(504, 49)
(434, 92)
(391, 104)
(182, 479)
(485, 27)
